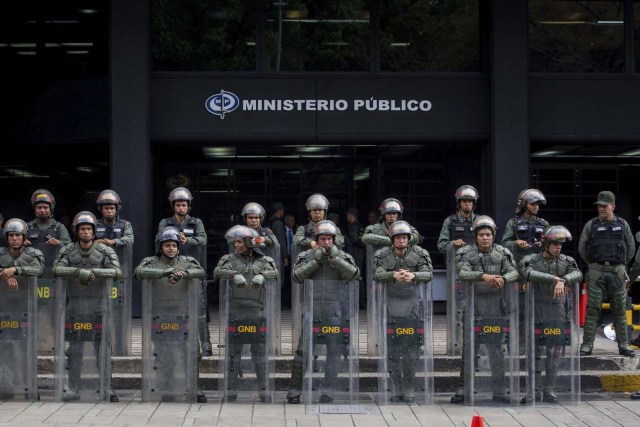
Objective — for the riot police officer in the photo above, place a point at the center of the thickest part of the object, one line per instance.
(456, 229)
(112, 230)
(17, 365)
(487, 267)
(606, 245)
(246, 269)
(193, 242)
(47, 235)
(117, 233)
(86, 260)
(324, 261)
(455, 233)
(523, 233)
(377, 235)
(253, 217)
(523, 236)
(173, 266)
(401, 267)
(17, 259)
(550, 275)
(317, 206)
(44, 228)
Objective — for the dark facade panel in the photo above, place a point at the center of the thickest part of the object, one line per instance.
(310, 109)
(584, 109)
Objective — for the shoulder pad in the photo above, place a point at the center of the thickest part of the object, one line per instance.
(148, 260)
(531, 258)
(465, 249)
(29, 250)
(268, 259)
(420, 250)
(383, 251)
(305, 253)
(500, 248)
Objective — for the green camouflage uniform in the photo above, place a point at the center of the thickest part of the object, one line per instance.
(607, 258)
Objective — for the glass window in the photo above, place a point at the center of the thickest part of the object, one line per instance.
(318, 35)
(576, 36)
(63, 38)
(636, 34)
(203, 35)
(429, 35)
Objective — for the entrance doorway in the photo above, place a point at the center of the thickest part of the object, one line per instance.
(423, 178)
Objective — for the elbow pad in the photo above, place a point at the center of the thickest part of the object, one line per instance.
(345, 268)
(306, 270)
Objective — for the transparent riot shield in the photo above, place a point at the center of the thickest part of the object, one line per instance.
(246, 328)
(552, 337)
(82, 340)
(296, 302)
(121, 297)
(274, 252)
(18, 356)
(455, 306)
(46, 301)
(491, 359)
(169, 340)
(373, 305)
(330, 342)
(203, 313)
(405, 363)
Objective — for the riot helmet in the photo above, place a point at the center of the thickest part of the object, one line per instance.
(180, 193)
(169, 233)
(84, 217)
(325, 227)
(253, 208)
(15, 225)
(484, 221)
(249, 236)
(391, 205)
(399, 227)
(555, 233)
(530, 195)
(43, 196)
(317, 201)
(108, 197)
(466, 192)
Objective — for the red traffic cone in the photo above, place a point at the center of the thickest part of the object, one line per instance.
(477, 421)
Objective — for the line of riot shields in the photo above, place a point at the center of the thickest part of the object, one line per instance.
(78, 327)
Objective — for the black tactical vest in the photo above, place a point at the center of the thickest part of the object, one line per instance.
(37, 235)
(529, 232)
(111, 232)
(189, 229)
(606, 243)
(461, 229)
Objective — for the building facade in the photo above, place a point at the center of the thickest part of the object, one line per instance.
(360, 100)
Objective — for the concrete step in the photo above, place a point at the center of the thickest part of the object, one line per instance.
(126, 372)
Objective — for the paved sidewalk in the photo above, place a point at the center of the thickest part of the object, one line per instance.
(598, 410)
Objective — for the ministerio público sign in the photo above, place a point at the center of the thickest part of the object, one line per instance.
(225, 102)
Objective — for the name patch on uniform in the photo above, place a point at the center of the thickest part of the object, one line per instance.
(616, 228)
(523, 227)
(101, 229)
(188, 231)
(601, 228)
(539, 229)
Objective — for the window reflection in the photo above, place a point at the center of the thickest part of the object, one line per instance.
(203, 35)
(636, 34)
(576, 36)
(318, 35)
(429, 35)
